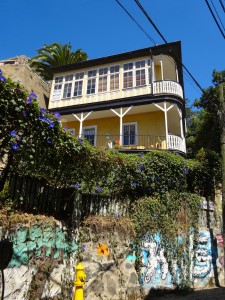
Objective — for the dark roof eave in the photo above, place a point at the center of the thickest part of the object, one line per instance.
(173, 49)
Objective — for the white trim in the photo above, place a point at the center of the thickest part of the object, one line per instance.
(91, 127)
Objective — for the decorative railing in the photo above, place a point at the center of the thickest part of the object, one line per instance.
(176, 143)
(137, 142)
(167, 87)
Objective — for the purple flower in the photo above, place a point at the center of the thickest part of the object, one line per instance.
(49, 141)
(2, 78)
(15, 146)
(98, 189)
(57, 115)
(0, 72)
(139, 170)
(13, 133)
(32, 95)
(65, 128)
(134, 184)
(43, 111)
(78, 186)
(118, 215)
(80, 141)
(185, 171)
(83, 247)
(29, 100)
(51, 125)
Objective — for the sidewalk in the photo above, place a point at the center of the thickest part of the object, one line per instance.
(215, 293)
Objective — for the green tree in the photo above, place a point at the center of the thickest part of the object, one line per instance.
(204, 128)
(55, 55)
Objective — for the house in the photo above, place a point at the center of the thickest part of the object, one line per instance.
(17, 68)
(131, 101)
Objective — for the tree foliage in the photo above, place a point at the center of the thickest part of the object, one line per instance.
(55, 55)
(204, 126)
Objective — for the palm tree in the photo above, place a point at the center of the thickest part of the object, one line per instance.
(55, 55)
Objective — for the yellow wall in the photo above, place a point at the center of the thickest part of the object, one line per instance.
(147, 124)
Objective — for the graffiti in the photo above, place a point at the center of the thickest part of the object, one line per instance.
(203, 263)
(153, 259)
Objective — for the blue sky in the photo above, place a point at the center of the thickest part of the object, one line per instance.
(102, 28)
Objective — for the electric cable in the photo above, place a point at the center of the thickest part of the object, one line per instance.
(217, 15)
(150, 38)
(223, 7)
(210, 9)
(150, 20)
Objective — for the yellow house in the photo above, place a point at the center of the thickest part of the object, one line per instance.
(131, 101)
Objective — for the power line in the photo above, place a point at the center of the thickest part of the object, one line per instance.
(217, 15)
(150, 20)
(150, 38)
(218, 25)
(223, 7)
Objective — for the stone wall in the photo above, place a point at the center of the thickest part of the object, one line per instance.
(45, 254)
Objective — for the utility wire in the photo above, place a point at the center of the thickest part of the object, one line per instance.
(209, 7)
(217, 15)
(150, 20)
(223, 7)
(142, 29)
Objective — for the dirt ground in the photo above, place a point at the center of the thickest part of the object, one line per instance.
(215, 293)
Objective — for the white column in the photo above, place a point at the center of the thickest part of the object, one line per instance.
(166, 124)
(81, 119)
(165, 110)
(121, 115)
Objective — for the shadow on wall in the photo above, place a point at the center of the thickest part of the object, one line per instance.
(214, 293)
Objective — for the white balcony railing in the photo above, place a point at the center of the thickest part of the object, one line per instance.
(167, 87)
(176, 143)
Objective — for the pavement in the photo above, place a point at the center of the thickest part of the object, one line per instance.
(214, 293)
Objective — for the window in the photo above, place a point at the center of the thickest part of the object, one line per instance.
(78, 85)
(114, 78)
(102, 80)
(128, 75)
(89, 133)
(140, 72)
(57, 88)
(91, 84)
(149, 71)
(129, 134)
(68, 86)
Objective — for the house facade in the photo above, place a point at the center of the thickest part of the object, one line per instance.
(130, 101)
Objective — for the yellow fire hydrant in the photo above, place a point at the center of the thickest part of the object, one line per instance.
(79, 283)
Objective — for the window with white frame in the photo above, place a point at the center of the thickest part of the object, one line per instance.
(78, 84)
(102, 80)
(140, 72)
(91, 83)
(114, 77)
(127, 75)
(129, 134)
(57, 88)
(89, 133)
(67, 92)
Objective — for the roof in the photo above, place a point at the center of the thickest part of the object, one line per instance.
(172, 49)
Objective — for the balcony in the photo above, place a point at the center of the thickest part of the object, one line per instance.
(137, 142)
(167, 87)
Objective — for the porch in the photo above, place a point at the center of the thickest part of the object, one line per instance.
(136, 142)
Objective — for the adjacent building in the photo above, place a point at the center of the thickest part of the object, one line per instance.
(17, 68)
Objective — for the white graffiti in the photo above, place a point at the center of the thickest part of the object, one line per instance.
(155, 260)
(202, 266)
